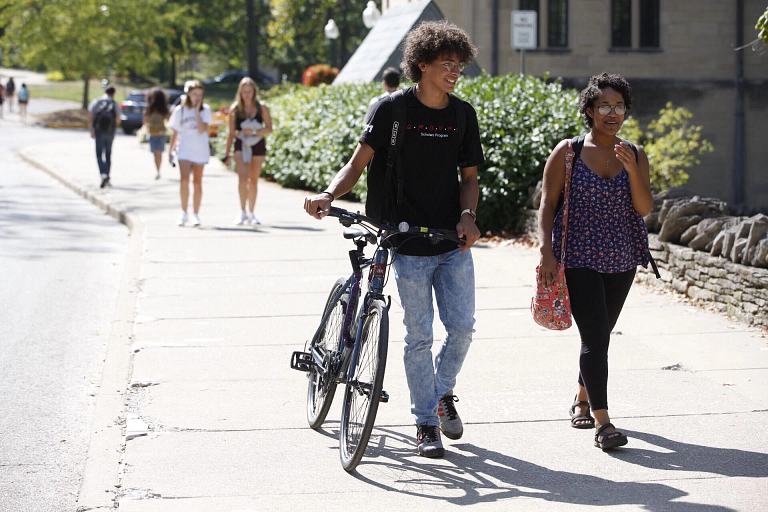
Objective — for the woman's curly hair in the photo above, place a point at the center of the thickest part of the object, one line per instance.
(592, 92)
(431, 39)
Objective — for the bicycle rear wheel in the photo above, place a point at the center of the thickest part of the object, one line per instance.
(363, 390)
(322, 382)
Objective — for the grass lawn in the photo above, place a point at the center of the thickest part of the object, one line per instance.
(216, 95)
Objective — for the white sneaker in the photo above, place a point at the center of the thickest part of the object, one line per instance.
(182, 219)
(157, 176)
(252, 220)
(195, 220)
(241, 218)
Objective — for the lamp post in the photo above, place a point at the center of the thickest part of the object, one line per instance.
(371, 14)
(332, 32)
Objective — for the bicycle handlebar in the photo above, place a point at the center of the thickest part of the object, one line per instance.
(347, 218)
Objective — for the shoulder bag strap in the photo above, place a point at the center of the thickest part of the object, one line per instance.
(395, 142)
(566, 194)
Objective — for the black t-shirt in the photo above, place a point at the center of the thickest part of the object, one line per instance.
(431, 156)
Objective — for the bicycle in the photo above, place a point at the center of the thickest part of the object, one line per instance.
(350, 345)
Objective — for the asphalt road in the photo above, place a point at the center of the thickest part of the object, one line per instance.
(61, 260)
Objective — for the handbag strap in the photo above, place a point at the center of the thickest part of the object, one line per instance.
(566, 194)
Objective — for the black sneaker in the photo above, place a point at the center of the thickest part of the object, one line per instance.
(107, 183)
(428, 439)
(450, 422)
(104, 181)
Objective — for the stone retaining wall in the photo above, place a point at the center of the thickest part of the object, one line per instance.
(735, 289)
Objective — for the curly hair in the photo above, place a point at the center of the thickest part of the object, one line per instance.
(431, 39)
(592, 92)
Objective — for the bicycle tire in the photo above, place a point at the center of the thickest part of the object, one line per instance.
(328, 340)
(361, 395)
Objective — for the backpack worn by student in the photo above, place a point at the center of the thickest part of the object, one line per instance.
(578, 144)
(379, 198)
(24, 95)
(104, 116)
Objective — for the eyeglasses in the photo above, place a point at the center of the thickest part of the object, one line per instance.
(450, 66)
(619, 110)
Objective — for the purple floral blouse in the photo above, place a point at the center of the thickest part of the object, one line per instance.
(605, 232)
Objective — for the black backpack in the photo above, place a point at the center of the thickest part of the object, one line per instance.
(104, 116)
(379, 198)
(578, 143)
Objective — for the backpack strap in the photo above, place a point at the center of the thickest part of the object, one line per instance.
(393, 148)
(578, 145)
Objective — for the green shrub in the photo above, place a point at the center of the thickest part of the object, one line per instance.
(59, 76)
(672, 145)
(521, 119)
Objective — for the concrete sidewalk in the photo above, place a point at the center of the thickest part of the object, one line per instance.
(197, 376)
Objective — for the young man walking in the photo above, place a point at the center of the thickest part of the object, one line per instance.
(390, 80)
(103, 120)
(438, 162)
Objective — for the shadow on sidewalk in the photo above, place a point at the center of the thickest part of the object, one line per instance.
(693, 457)
(478, 475)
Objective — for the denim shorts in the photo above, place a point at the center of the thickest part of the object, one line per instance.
(157, 143)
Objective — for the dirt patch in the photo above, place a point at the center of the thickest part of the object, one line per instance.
(74, 118)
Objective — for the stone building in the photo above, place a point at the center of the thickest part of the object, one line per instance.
(682, 51)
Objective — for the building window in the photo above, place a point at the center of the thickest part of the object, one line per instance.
(532, 5)
(557, 17)
(649, 23)
(621, 23)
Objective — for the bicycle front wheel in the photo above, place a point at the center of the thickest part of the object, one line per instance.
(322, 381)
(363, 390)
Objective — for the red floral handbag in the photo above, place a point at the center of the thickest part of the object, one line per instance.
(551, 305)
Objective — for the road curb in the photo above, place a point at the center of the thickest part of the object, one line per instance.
(119, 215)
(101, 475)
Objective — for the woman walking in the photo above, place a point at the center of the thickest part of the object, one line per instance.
(23, 101)
(154, 118)
(190, 130)
(606, 238)
(249, 123)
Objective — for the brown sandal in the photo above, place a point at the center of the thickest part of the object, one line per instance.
(610, 440)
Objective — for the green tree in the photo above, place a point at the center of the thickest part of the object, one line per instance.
(672, 144)
(296, 36)
(762, 27)
(84, 38)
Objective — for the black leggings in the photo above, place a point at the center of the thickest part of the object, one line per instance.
(596, 302)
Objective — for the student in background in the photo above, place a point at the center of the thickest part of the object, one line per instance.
(154, 119)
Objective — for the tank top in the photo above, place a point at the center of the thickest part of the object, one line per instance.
(239, 120)
(605, 232)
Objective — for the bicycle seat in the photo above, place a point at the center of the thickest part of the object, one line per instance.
(354, 232)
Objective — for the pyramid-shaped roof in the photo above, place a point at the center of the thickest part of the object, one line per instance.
(382, 47)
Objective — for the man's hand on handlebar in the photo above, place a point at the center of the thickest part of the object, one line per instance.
(467, 229)
(318, 205)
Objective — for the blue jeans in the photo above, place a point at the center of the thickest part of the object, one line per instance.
(104, 151)
(452, 275)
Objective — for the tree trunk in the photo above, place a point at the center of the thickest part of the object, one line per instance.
(85, 92)
(253, 32)
(173, 71)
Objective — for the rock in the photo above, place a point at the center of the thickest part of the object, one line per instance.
(677, 215)
(706, 231)
(652, 221)
(760, 258)
(723, 243)
(738, 250)
(757, 232)
(688, 235)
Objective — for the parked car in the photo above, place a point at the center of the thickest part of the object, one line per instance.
(132, 108)
(233, 76)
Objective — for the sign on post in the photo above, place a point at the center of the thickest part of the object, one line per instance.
(523, 33)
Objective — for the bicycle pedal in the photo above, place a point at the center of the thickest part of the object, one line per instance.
(301, 361)
(384, 397)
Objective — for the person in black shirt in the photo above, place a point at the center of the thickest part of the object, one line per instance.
(440, 190)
